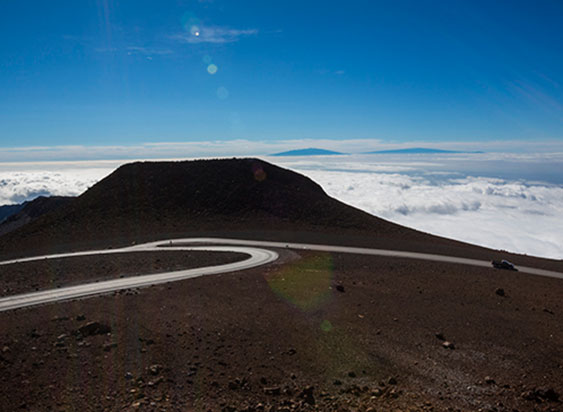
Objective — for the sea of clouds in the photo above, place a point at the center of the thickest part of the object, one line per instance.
(503, 201)
(510, 202)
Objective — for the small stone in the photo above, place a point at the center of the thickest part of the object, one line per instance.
(80, 317)
(94, 328)
(500, 292)
(448, 345)
(337, 382)
(307, 395)
(352, 374)
(340, 288)
(109, 346)
(5, 349)
(489, 380)
(392, 381)
(440, 336)
(273, 390)
(155, 369)
(376, 392)
(128, 376)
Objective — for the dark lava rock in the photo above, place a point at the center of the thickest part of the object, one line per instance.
(541, 394)
(109, 346)
(155, 369)
(274, 390)
(448, 345)
(489, 380)
(94, 328)
(307, 395)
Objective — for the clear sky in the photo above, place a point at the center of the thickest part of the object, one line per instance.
(133, 71)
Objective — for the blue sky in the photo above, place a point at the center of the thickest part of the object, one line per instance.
(102, 73)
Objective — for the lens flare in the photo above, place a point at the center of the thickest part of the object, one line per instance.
(212, 69)
(306, 283)
(326, 326)
(222, 93)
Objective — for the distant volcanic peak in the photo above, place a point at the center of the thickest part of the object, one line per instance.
(312, 151)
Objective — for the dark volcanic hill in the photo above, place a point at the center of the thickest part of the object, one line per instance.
(8, 210)
(229, 197)
(29, 211)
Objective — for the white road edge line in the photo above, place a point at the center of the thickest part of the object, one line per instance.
(258, 257)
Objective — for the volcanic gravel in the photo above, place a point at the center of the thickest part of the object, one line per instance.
(316, 331)
(55, 273)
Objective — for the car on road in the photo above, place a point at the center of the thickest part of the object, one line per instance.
(503, 264)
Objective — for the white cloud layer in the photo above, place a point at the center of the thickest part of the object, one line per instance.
(503, 201)
(523, 216)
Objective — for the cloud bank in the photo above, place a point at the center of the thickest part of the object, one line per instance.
(522, 216)
(503, 201)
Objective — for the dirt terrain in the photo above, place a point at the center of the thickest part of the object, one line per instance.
(312, 331)
(56, 273)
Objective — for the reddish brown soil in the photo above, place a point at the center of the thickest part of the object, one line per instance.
(260, 339)
(326, 332)
(54, 273)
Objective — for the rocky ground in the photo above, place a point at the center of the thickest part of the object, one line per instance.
(314, 331)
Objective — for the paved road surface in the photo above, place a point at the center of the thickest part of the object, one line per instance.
(253, 248)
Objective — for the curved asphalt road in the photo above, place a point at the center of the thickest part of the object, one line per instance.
(257, 257)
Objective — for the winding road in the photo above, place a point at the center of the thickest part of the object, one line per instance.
(255, 249)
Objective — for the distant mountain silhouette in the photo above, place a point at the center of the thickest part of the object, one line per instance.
(308, 152)
(29, 211)
(416, 150)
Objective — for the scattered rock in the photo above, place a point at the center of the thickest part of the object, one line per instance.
(155, 369)
(80, 317)
(307, 395)
(541, 394)
(392, 381)
(352, 374)
(440, 336)
(337, 382)
(489, 380)
(94, 328)
(5, 349)
(35, 334)
(376, 392)
(500, 292)
(340, 288)
(109, 346)
(273, 390)
(448, 345)
(128, 376)
(546, 310)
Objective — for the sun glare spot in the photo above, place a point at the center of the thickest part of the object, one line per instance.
(222, 93)
(212, 69)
